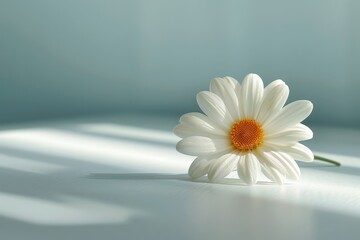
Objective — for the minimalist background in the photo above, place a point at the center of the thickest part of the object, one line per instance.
(104, 170)
(86, 57)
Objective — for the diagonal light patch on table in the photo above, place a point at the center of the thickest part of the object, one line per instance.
(92, 148)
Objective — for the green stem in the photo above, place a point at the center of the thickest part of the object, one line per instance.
(327, 160)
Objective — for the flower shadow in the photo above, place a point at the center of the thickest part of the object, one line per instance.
(163, 176)
(138, 176)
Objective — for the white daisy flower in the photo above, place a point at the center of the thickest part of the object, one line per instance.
(248, 128)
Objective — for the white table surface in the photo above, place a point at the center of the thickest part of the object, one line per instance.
(121, 178)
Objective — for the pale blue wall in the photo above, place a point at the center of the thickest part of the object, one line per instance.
(74, 57)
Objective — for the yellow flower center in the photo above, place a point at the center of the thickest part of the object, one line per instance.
(246, 135)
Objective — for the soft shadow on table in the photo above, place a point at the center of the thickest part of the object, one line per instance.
(139, 176)
(163, 176)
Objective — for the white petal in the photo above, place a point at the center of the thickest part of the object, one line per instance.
(198, 124)
(251, 94)
(199, 167)
(184, 130)
(282, 162)
(248, 168)
(290, 136)
(272, 174)
(213, 106)
(225, 89)
(238, 91)
(231, 81)
(298, 151)
(237, 88)
(221, 167)
(268, 158)
(201, 146)
(273, 171)
(292, 169)
(275, 96)
(187, 118)
(198, 119)
(290, 115)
